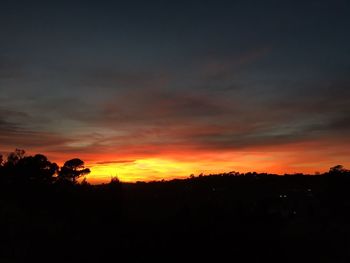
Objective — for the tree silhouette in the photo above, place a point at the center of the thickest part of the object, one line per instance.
(338, 170)
(37, 168)
(14, 157)
(23, 169)
(72, 170)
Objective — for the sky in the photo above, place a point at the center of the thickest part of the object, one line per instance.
(150, 90)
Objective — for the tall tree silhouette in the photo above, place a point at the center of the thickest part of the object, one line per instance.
(72, 170)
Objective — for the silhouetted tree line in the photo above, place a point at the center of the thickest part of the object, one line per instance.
(18, 168)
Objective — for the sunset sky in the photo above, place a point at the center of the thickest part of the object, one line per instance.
(161, 89)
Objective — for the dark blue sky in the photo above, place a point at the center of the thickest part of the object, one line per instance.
(157, 77)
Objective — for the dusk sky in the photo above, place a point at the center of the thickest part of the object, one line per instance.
(161, 89)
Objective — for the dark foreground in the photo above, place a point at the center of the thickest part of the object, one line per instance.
(255, 218)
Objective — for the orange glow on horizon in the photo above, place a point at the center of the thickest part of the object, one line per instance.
(168, 163)
(158, 168)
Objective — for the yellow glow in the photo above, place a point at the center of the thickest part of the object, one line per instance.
(141, 170)
(149, 169)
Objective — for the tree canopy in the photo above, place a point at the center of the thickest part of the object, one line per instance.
(19, 168)
(72, 170)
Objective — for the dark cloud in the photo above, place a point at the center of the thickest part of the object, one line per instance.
(14, 133)
(112, 78)
(211, 76)
(6, 126)
(137, 107)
